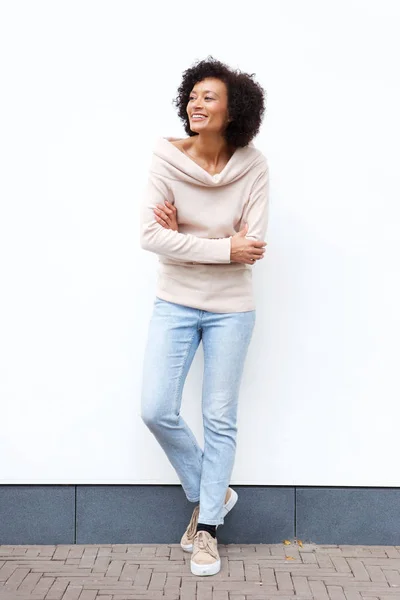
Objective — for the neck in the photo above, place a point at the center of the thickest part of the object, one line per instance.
(210, 147)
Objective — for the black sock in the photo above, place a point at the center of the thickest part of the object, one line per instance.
(210, 528)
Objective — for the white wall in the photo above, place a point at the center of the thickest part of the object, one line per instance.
(87, 87)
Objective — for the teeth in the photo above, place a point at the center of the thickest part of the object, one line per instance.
(198, 117)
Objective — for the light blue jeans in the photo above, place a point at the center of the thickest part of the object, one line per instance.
(174, 335)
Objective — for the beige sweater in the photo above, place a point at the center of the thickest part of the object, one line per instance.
(195, 268)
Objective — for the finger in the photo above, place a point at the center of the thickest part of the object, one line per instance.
(172, 206)
(165, 208)
(161, 208)
(162, 222)
(162, 214)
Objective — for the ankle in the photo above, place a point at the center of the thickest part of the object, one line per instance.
(212, 529)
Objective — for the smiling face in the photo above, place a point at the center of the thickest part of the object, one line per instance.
(209, 98)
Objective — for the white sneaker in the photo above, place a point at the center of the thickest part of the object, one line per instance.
(205, 558)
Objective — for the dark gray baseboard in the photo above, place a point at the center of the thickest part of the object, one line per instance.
(159, 514)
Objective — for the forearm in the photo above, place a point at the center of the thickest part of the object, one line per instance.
(173, 244)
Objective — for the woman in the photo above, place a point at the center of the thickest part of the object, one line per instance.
(205, 213)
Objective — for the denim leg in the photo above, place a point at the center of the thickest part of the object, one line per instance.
(173, 338)
(226, 337)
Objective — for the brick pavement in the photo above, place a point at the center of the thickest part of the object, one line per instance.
(287, 571)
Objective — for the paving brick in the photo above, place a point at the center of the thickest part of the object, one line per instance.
(162, 572)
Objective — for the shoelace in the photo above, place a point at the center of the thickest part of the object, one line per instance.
(203, 543)
(191, 529)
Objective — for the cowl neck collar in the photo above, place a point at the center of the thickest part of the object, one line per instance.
(177, 165)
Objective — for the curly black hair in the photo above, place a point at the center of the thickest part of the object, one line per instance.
(246, 99)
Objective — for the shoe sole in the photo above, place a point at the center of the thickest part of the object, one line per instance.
(226, 508)
(230, 504)
(205, 569)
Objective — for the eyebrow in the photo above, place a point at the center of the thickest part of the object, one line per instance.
(205, 91)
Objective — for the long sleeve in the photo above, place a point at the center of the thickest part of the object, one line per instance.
(256, 210)
(155, 238)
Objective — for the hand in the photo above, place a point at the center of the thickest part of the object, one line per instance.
(167, 215)
(245, 250)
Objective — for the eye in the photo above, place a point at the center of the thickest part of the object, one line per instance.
(207, 98)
